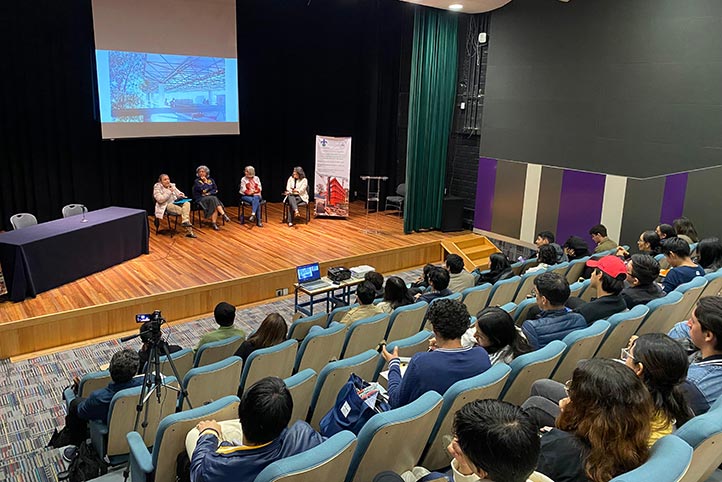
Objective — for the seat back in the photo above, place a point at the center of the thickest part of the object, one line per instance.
(402, 432)
(92, 382)
(333, 376)
(364, 334)
(668, 461)
(320, 347)
(406, 321)
(504, 291)
(486, 385)
(621, 327)
(23, 220)
(121, 417)
(217, 350)
(526, 285)
(212, 382)
(660, 314)
(516, 268)
(408, 347)
(183, 361)
(326, 462)
(338, 313)
(588, 293)
(581, 345)
(576, 268)
(690, 294)
(522, 310)
(301, 387)
(704, 434)
(529, 263)
(476, 298)
(714, 284)
(300, 327)
(274, 361)
(577, 288)
(73, 209)
(171, 435)
(560, 269)
(528, 368)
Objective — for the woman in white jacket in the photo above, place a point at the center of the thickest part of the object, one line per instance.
(296, 191)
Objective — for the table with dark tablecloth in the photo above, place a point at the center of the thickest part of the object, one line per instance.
(41, 257)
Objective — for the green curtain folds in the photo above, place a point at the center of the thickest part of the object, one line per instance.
(431, 109)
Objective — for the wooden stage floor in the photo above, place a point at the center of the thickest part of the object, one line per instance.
(186, 278)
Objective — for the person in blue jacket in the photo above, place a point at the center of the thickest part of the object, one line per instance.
(264, 413)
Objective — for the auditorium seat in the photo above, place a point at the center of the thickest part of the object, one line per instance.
(528, 368)
(394, 440)
(690, 294)
(668, 461)
(300, 327)
(576, 268)
(89, 383)
(408, 347)
(577, 288)
(217, 350)
(504, 291)
(560, 269)
(160, 464)
(364, 334)
(483, 386)
(327, 462)
(704, 434)
(406, 321)
(526, 286)
(660, 313)
(301, 386)
(580, 345)
(522, 310)
(320, 347)
(338, 313)
(621, 327)
(476, 298)
(212, 382)
(528, 263)
(714, 284)
(182, 359)
(274, 361)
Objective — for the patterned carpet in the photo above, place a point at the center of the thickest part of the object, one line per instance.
(31, 391)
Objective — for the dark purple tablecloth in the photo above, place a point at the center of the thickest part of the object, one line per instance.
(48, 255)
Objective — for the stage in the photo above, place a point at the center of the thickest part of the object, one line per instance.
(186, 278)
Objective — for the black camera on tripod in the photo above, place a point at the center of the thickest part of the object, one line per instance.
(154, 320)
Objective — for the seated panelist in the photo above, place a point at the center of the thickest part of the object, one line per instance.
(251, 193)
(296, 192)
(205, 193)
(165, 194)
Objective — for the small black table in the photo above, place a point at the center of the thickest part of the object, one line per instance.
(41, 257)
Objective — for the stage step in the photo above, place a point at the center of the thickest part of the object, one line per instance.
(474, 249)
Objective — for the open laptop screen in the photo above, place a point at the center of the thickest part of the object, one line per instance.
(308, 272)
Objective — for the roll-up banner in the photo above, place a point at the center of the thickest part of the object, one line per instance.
(333, 170)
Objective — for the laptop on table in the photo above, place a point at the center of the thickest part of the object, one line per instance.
(309, 277)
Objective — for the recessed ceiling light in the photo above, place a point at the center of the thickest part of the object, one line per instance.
(456, 6)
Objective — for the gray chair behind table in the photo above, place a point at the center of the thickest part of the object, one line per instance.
(23, 220)
(73, 210)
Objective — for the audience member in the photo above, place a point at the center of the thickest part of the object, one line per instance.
(123, 369)
(440, 368)
(603, 428)
(496, 332)
(459, 278)
(438, 285)
(608, 281)
(250, 191)
(493, 441)
(547, 237)
(166, 194)
(422, 282)
(547, 257)
(575, 248)
(648, 243)
(555, 320)
(704, 330)
(365, 296)
(205, 193)
(499, 269)
(222, 452)
(599, 236)
(642, 272)
(144, 353)
(395, 295)
(665, 232)
(676, 251)
(296, 192)
(271, 332)
(709, 252)
(376, 279)
(685, 230)
(224, 314)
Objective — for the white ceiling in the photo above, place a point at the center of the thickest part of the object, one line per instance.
(470, 6)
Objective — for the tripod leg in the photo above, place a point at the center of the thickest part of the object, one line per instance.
(184, 392)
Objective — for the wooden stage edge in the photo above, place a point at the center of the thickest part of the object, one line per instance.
(56, 331)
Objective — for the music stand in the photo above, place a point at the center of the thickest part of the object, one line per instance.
(373, 197)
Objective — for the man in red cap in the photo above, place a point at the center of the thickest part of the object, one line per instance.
(608, 279)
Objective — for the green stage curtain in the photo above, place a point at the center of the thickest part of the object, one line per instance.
(431, 107)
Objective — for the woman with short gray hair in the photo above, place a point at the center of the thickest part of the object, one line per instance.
(205, 194)
(251, 193)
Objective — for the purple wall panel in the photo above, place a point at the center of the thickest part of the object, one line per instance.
(580, 205)
(675, 189)
(485, 193)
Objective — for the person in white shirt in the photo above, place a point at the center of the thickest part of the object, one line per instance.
(296, 191)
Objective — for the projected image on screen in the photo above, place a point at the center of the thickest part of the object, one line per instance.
(146, 87)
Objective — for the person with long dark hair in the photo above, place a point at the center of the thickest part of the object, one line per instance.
(499, 269)
(603, 428)
(648, 243)
(396, 294)
(547, 257)
(709, 254)
(662, 365)
(296, 192)
(499, 336)
(575, 248)
(685, 230)
(271, 332)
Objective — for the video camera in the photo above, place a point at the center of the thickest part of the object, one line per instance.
(144, 317)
